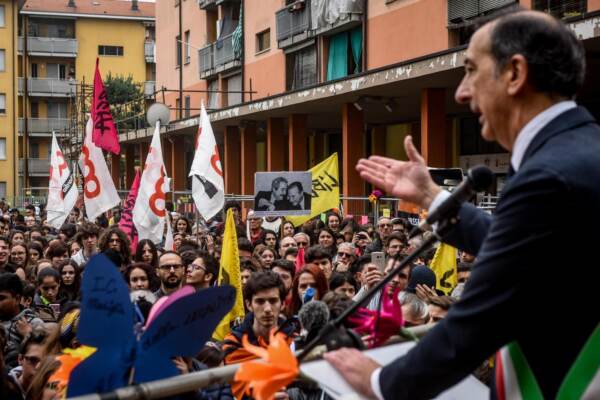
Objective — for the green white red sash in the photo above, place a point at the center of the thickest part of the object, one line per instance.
(515, 380)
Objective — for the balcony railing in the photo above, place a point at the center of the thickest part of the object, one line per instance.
(293, 23)
(218, 57)
(48, 87)
(149, 88)
(43, 126)
(462, 10)
(49, 46)
(149, 51)
(328, 21)
(37, 166)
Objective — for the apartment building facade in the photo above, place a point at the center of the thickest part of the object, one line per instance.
(289, 82)
(58, 44)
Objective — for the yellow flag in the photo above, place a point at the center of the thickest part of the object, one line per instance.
(229, 274)
(325, 189)
(444, 266)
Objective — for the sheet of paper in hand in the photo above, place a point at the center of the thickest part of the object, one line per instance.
(279, 194)
(329, 380)
(180, 328)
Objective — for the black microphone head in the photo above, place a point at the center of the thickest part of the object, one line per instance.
(481, 178)
(314, 315)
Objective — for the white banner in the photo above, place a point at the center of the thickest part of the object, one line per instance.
(99, 192)
(62, 191)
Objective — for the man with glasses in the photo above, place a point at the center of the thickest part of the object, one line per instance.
(202, 269)
(286, 243)
(345, 257)
(302, 240)
(384, 229)
(31, 353)
(170, 273)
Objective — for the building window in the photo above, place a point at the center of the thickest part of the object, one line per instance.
(2, 59)
(2, 148)
(110, 50)
(188, 106)
(561, 8)
(2, 190)
(34, 150)
(2, 16)
(213, 95)
(345, 54)
(2, 103)
(188, 49)
(234, 89)
(34, 70)
(301, 68)
(178, 108)
(178, 50)
(263, 41)
(35, 109)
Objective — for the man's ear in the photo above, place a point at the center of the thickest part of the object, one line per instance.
(208, 277)
(518, 71)
(248, 305)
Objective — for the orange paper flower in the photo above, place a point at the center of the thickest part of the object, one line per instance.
(68, 362)
(276, 369)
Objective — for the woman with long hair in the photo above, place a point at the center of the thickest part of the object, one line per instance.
(269, 239)
(327, 240)
(286, 229)
(19, 257)
(141, 276)
(265, 255)
(70, 281)
(310, 276)
(183, 226)
(146, 252)
(115, 239)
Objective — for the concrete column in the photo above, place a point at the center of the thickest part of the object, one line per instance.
(434, 138)
(178, 175)
(248, 157)
(129, 165)
(115, 169)
(353, 149)
(232, 165)
(275, 144)
(297, 142)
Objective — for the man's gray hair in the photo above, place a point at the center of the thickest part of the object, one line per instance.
(277, 182)
(418, 307)
(303, 234)
(347, 244)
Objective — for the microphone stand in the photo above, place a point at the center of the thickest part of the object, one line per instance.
(333, 334)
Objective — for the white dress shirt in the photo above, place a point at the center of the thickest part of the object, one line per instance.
(524, 139)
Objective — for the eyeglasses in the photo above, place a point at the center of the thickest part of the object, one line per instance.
(32, 360)
(384, 225)
(342, 254)
(196, 267)
(302, 244)
(167, 267)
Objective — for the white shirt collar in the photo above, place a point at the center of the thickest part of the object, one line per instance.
(533, 127)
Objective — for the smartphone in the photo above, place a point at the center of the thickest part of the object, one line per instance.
(378, 258)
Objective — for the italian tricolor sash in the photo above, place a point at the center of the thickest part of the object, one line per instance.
(515, 380)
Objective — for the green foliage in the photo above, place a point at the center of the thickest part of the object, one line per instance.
(126, 99)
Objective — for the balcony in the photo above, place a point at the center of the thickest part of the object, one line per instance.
(150, 51)
(329, 21)
(37, 166)
(293, 24)
(49, 46)
(218, 57)
(207, 4)
(48, 87)
(44, 126)
(561, 8)
(460, 11)
(149, 88)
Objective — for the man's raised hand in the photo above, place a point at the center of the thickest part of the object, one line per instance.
(408, 180)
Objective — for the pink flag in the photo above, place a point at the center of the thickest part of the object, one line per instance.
(126, 222)
(105, 132)
(300, 259)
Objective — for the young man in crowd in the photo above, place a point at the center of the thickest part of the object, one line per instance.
(170, 272)
(87, 237)
(319, 256)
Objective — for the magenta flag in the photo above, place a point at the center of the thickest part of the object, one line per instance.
(105, 133)
(126, 222)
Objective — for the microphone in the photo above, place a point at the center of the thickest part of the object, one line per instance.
(478, 178)
(314, 315)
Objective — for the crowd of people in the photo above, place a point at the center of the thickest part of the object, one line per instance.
(283, 268)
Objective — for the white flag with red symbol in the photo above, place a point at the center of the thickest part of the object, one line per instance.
(62, 191)
(149, 210)
(99, 192)
(208, 188)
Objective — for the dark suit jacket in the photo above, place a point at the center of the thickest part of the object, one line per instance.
(537, 274)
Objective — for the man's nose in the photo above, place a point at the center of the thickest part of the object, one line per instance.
(463, 93)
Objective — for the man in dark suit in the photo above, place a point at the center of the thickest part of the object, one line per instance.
(522, 72)
(297, 198)
(274, 200)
